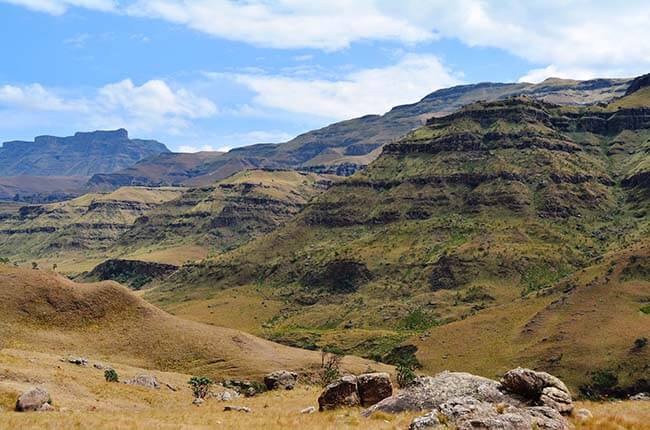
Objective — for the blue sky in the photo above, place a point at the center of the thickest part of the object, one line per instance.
(215, 74)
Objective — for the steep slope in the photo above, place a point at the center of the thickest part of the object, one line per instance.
(42, 311)
(589, 324)
(80, 155)
(474, 210)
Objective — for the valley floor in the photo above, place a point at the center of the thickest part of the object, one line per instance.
(84, 400)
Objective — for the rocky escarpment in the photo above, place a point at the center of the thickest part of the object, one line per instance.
(82, 154)
(228, 214)
(133, 273)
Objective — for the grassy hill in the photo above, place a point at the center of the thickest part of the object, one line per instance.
(42, 311)
(475, 210)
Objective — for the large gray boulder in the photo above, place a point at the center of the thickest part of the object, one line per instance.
(33, 400)
(429, 392)
(281, 380)
(538, 388)
(342, 393)
(524, 399)
(374, 387)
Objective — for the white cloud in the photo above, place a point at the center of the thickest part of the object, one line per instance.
(235, 140)
(153, 105)
(59, 7)
(328, 25)
(37, 98)
(358, 93)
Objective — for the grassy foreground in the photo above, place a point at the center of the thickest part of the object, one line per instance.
(84, 400)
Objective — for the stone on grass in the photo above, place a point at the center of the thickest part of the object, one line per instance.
(146, 381)
(374, 387)
(308, 410)
(583, 414)
(341, 393)
(237, 409)
(280, 380)
(32, 400)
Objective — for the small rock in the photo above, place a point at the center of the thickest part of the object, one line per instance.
(46, 407)
(197, 401)
(583, 415)
(146, 381)
(225, 396)
(343, 392)
(280, 380)
(427, 421)
(640, 396)
(308, 410)
(237, 409)
(101, 366)
(374, 387)
(32, 400)
(79, 361)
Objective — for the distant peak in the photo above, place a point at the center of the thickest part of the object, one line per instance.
(119, 133)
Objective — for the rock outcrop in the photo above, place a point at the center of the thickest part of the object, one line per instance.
(524, 399)
(538, 388)
(280, 380)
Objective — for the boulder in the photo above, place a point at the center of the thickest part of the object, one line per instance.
(538, 388)
(79, 361)
(373, 388)
(280, 380)
(146, 381)
(464, 401)
(32, 400)
(237, 409)
(428, 392)
(341, 393)
(46, 407)
(225, 396)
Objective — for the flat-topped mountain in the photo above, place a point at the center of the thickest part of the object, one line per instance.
(83, 154)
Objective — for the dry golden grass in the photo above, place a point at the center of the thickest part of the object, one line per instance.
(628, 415)
(42, 311)
(84, 400)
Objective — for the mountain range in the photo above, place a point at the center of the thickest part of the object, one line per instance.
(484, 227)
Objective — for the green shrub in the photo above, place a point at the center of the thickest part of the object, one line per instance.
(200, 386)
(646, 309)
(405, 373)
(330, 367)
(111, 375)
(418, 320)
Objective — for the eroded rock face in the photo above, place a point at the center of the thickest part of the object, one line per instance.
(374, 387)
(280, 380)
(33, 400)
(538, 388)
(342, 393)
